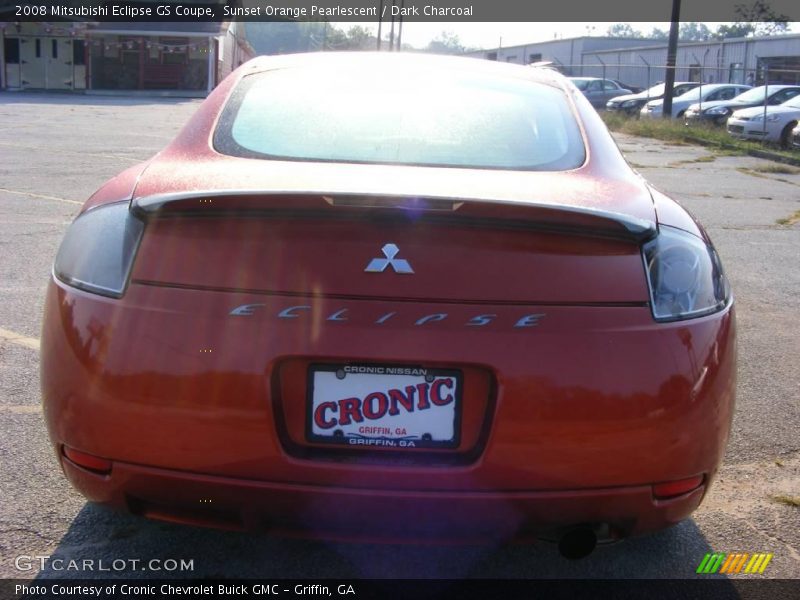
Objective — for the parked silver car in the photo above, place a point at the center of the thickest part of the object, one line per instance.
(717, 112)
(599, 91)
(631, 104)
(774, 124)
(706, 93)
(795, 138)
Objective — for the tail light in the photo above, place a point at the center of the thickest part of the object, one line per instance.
(685, 276)
(671, 489)
(97, 252)
(101, 466)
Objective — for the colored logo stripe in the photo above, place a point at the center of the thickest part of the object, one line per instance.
(711, 563)
(734, 563)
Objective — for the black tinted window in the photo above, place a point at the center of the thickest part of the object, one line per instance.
(78, 52)
(11, 46)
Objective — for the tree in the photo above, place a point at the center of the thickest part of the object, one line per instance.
(623, 30)
(657, 34)
(763, 19)
(757, 19)
(694, 32)
(360, 38)
(735, 30)
(446, 42)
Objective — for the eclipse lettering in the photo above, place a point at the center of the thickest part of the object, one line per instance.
(343, 315)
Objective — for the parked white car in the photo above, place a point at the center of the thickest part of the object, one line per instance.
(710, 92)
(751, 124)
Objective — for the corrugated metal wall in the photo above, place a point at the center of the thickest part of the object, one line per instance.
(726, 61)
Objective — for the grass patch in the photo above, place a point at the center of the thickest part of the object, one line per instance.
(674, 132)
(777, 169)
(793, 501)
(753, 172)
(707, 158)
(791, 219)
(759, 172)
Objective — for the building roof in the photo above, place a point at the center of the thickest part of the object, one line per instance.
(644, 40)
(647, 43)
(710, 42)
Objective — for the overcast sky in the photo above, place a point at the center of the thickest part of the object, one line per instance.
(488, 35)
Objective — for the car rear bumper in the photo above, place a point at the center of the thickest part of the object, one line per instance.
(749, 130)
(377, 515)
(694, 118)
(577, 417)
(648, 114)
(631, 110)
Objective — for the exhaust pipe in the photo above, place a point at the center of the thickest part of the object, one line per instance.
(577, 543)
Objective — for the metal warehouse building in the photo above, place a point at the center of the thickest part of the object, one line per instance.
(563, 53)
(774, 59)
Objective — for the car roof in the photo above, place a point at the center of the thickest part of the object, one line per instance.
(722, 85)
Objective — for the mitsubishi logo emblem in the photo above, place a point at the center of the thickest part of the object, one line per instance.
(400, 265)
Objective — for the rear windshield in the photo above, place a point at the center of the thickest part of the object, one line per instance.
(416, 117)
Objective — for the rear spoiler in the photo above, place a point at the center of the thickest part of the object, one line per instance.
(515, 215)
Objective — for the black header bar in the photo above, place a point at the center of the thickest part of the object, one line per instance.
(368, 11)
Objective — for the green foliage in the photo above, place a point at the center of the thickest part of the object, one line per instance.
(694, 32)
(757, 19)
(623, 30)
(446, 42)
(287, 37)
(658, 34)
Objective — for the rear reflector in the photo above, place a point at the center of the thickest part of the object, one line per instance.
(671, 489)
(95, 464)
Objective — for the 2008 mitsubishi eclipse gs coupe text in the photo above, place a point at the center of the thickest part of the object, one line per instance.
(381, 296)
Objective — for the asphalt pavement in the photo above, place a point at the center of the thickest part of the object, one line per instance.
(57, 149)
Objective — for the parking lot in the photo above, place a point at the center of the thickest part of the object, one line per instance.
(58, 149)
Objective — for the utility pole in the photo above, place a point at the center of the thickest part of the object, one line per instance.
(672, 53)
(400, 27)
(380, 23)
(391, 31)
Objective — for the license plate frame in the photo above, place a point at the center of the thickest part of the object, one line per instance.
(362, 374)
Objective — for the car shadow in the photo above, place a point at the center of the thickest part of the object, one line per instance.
(103, 536)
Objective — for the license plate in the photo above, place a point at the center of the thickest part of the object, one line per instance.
(384, 406)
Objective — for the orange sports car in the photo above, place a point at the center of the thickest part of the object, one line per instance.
(385, 296)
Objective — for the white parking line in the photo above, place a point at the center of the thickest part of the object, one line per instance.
(19, 339)
(21, 409)
(26, 342)
(42, 196)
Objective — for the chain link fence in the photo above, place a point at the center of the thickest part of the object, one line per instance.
(639, 77)
(772, 129)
